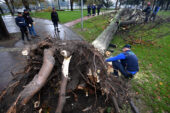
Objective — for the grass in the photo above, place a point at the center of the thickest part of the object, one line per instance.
(151, 84)
(64, 16)
(92, 27)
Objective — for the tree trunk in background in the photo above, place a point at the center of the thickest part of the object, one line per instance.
(59, 4)
(103, 40)
(26, 4)
(12, 3)
(4, 34)
(1, 10)
(120, 4)
(154, 2)
(143, 4)
(116, 4)
(167, 6)
(7, 3)
(71, 4)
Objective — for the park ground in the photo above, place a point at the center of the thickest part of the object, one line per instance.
(151, 43)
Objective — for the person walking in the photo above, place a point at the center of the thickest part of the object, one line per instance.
(155, 11)
(98, 9)
(89, 10)
(20, 21)
(94, 9)
(55, 19)
(147, 11)
(30, 23)
(125, 62)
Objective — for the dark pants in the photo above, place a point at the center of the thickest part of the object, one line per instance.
(89, 12)
(153, 16)
(94, 12)
(118, 66)
(146, 18)
(98, 11)
(55, 23)
(24, 32)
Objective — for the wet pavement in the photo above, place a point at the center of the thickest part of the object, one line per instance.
(11, 59)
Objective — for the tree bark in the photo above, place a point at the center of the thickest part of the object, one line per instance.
(65, 69)
(4, 34)
(37, 83)
(1, 10)
(71, 5)
(167, 6)
(9, 7)
(103, 40)
(12, 3)
(26, 4)
(116, 4)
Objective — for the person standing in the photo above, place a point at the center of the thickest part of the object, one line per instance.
(126, 62)
(94, 9)
(29, 21)
(155, 11)
(147, 11)
(55, 19)
(98, 9)
(20, 21)
(89, 10)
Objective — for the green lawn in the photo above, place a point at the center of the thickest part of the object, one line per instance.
(151, 84)
(64, 16)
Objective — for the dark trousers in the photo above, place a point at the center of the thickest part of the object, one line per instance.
(98, 11)
(24, 32)
(153, 16)
(55, 23)
(89, 12)
(118, 66)
(94, 12)
(146, 18)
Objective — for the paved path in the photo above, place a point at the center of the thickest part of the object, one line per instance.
(11, 58)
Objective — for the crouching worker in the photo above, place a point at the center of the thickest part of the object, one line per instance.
(125, 62)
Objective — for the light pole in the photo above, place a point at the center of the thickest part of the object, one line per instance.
(81, 14)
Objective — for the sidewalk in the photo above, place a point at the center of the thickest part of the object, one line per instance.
(72, 23)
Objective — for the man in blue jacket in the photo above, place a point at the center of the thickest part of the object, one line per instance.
(20, 21)
(125, 62)
(55, 19)
(155, 11)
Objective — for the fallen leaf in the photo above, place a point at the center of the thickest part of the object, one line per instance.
(160, 83)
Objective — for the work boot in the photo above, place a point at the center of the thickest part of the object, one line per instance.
(58, 30)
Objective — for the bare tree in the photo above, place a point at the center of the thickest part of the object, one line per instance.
(12, 3)
(71, 4)
(116, 4)
(4, 34)
(9, 7)
(26, 4)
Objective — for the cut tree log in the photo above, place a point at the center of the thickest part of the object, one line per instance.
(65, 71)
(103, 40)
(37, 83)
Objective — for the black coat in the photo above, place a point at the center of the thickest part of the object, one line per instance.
(54, 16)
(28, 19)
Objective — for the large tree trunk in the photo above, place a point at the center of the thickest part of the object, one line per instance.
(12, 3)
(26, 4)
(1, 10)
(116, 4)
(103, 40)
(71, 5)
(9, 7)
(4, 34)
(154, 2)
(59, 4)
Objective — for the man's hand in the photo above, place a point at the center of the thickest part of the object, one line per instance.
(30, 25)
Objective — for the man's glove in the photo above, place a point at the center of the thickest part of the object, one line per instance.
(30, 25)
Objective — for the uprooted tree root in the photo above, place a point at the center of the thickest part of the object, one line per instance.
(47, 87)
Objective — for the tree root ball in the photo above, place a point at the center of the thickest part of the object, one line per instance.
(89, 88)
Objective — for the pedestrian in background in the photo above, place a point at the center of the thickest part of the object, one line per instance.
(94, 9)
(55, 19)
(155, 11)
(20, 21)
(147, 11)
(98, 9)
(29, 21)
(89, 10)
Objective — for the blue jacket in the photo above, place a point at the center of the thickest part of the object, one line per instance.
(155, 11)
(147, 10)
(128, 60)
(20, 21)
